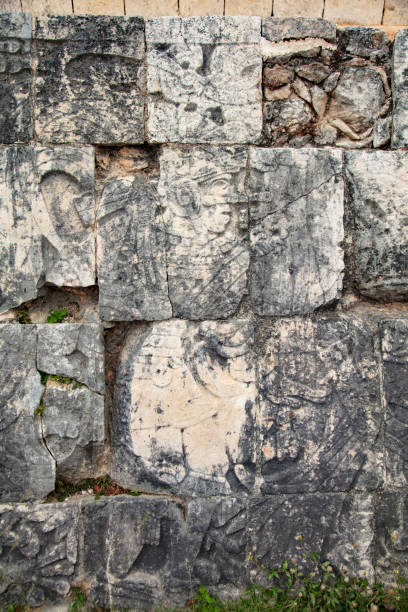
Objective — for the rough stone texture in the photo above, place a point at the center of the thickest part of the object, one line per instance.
(205, 215)
(378, 218)
(131, 252)
(391, 551)
(98, 7)
(204, 80)
(395, 12)
(395, 367)
(298, 8)
(364, 12)
(189, 8)
(400, 91)
(248, 7)
(47, 7)
(90, 79)
(15, 78)
(47, 214)
(183, 416)
(10, 6)
(27, 469)
(296, 214)
(320, 408)
(151, 8)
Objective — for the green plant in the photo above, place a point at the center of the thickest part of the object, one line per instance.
(79, 598)
(39, 411)
(22, 315)
(57, 316)
(44, 377)
(102, 486)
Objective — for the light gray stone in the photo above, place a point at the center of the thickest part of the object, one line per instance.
(204, 80)
(400, 91)
(46, 220)
(205, 208)
(277, 29)
(296, 212)
(378, 220)
(183, 417)
(320, 408)
(132, 274)
(382, 132)
(90, 79)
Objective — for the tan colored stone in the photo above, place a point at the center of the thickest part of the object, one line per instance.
(151, 8)
(99, 7)
(47, 7)
(10, 6)
(396, 12)
(277, 76)
(298, 8)
(249, 7)
(189, 8)
(358, 12)
(278, 94)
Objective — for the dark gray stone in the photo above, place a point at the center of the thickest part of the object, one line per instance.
(277, 29)
(16, 103)
(320, 408)
(400, 91)
(370, 43)
(90, 79)
(286, 119)
(391, 541)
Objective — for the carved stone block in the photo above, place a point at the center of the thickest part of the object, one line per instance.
(296, 212)
(320, 408)
(378, 217)
(204, 79)
(90, 79)
(400, 91)
(391, 549)
(183, 418)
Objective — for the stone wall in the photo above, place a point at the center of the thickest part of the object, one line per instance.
(219, 205)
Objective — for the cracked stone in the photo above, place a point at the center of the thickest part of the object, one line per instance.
(400, 91)
(315, 72)
(286, 118)
(371, 43)
(276, 29)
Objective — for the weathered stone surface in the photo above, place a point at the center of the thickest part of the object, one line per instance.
(27, 469)
(277, 29)
(183, 416)
(248, 7)
(363, 12)
(336, 527)
(189, 8)
(204, 80)
(90, 79)
(370, 43)
(298, 8)
(47, 7)
(395, 366)
(39, 552)
(46, 220)
(132, 274)
(320, 408)
(391, 550)
(382, 132)
(205, 207)
(15, 78)
(296, 211)
(395, 12)
(378, 218)
(400, 91)
(98, 7)
(286, 119)
(151, 8)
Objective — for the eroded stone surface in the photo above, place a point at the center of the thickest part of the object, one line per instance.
(205, 215)
(391, 549)
(16, 110)
(204, 79)
(378, 221)
(296, 210)
(131, 253)
(400, 91)
(90, 79)
(46, 220)
(320, 408)
(183, 416)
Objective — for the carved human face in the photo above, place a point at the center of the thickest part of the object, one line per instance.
(216, 210)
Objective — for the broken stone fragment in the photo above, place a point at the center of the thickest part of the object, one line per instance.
(277, 76)
(370, 43)
(382, 132)
(400, 91)
(285, 119)
(315, 72)
(276, 29)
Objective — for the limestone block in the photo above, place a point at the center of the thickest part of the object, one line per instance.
(320, 408)
(336, 527)
(183, 417)
(205, 206)
(377, 187)
(248, 7)
(298, 8)
(400, 91)
(99, 7)
(47, 7)
(189, 8)
(151, 8)
(204, 80)
(277, 29)
(27, 469)
(46, 220)
(395, 367)
(10, 6)
(296, 214)
(361, 12)
(16, 104)
(390, 551)
(90, 79)
(395, 12)
(371, 43)
(132, 274)
(39, 552)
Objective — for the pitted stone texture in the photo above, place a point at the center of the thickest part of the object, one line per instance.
(90, 79)
(183, 418)
(73, 350)
(391, 550)
(395, 12)
(364, 12)
(205, 215)
(46, 220)
(204, 80)
(15, 78)
(400, 91)
(39, 551)
(336, 527)
(320, 409)
(378, 220)
(131, 253)
(395, 367)
(296, 211)
(27, 469)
